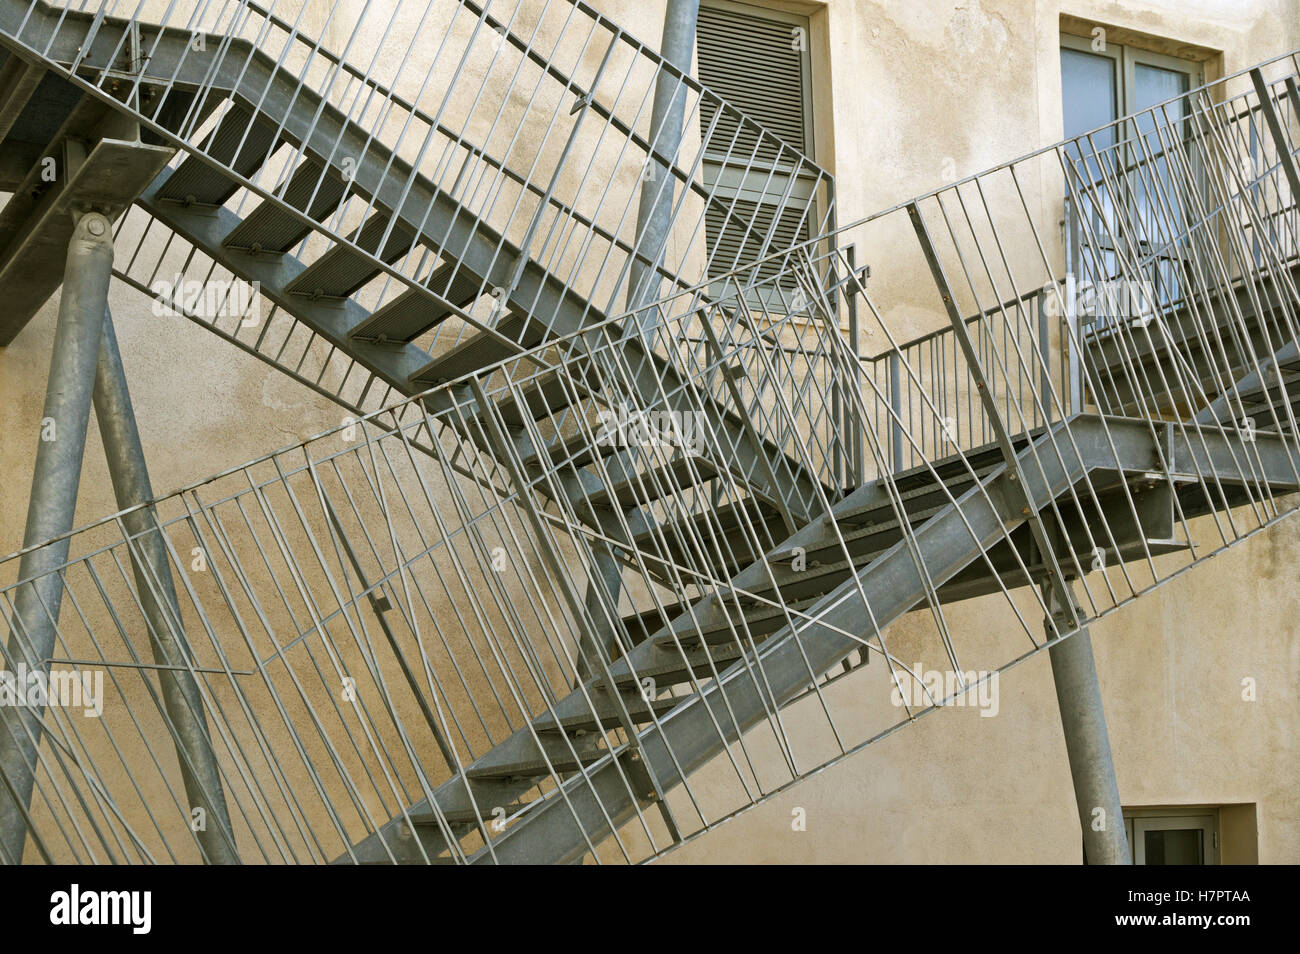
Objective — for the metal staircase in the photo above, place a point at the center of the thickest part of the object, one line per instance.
(608, 548)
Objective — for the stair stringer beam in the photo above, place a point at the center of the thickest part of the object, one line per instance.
(323, 132)
(1223, 408)
(1111, 444)
(947, 543)
(647, 659)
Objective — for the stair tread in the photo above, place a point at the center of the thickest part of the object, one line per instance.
(271, 229)
(628, 480)
(728, 516)
(489, 794)
(522, 756)
(576, 450)
(413, 312)
(722, 534)
(241, 141)
(341, 271)
(761, 620)
(575, 712)
(478, 351)
(669, 666)
(539, 399)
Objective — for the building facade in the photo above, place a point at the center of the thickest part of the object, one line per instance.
(1199, 679)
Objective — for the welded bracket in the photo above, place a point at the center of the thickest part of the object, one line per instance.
(104, 177)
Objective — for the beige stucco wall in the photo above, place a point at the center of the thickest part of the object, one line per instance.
(909, 95)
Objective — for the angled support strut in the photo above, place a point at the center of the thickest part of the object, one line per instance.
(33, 629)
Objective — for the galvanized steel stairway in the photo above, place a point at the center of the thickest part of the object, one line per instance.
(474, 262)
(687, 595)
(879, 579)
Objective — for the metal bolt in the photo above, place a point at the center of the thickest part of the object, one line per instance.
(95, 225)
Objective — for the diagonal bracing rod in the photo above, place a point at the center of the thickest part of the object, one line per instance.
(86, 368)
(158, 604)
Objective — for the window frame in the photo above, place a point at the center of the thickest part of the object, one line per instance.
(1128, 58)
(1125, 58)
(1138, 821)
(805, 64)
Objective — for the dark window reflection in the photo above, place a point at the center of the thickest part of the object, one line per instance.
(1176, 846)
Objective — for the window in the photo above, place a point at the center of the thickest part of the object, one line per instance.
(757, 60)
(1173, 836)
(1127, 192)
(1101, 82)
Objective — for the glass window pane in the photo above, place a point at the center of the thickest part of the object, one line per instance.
(1156, 179)
(1090, 98)
(1087, 91)
(1155, 85)
(1175, 846)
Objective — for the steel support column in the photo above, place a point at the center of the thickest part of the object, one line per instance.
(158, 604)
(667, 113)
(653, 223)
(1086, 742)
(57, 474)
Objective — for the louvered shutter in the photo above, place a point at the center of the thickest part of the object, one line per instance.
(752, 62)
(749, 58)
